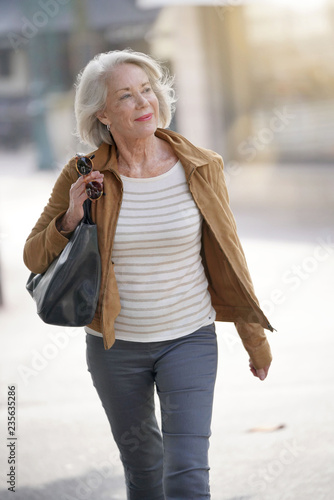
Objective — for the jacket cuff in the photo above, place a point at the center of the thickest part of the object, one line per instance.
(256, 344)
(57, 239)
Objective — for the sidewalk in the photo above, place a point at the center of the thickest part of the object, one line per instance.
(64, 449)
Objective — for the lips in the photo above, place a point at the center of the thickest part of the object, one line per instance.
(144, 118)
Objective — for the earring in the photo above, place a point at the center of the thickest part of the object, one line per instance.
(108, 127)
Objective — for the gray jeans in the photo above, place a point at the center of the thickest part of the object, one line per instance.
(172, 465)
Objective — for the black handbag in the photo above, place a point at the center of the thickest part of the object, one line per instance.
(66, 294)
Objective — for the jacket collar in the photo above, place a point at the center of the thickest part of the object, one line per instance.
(105, 158)
(191, 157)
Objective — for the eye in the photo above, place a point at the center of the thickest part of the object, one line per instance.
(147, 89)
(125, 96)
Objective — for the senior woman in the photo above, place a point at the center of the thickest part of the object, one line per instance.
(172, 264)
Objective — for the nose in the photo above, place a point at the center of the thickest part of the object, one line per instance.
(141, 101)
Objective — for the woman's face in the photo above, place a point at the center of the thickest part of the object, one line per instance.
(132, 108)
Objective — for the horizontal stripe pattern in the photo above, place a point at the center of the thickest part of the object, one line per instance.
(156, 254)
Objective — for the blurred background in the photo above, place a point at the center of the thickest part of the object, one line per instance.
(255, 82)
(237, 65)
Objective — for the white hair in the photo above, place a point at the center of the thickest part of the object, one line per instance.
(92, 88)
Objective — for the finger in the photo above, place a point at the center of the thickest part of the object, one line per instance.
(78, 194)
(261, 374)
(94, 176)
(77, 191)
(251, 366)
(78, 185)
(253, 370)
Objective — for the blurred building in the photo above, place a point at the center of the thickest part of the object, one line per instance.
(43, 46)
(255, 80)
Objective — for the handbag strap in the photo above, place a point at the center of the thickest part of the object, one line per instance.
(87, 212)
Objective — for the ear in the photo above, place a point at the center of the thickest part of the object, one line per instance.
(100, 115)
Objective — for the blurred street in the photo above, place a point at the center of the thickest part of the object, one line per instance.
(272, 440)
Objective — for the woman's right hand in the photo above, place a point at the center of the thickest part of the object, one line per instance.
(78, 195)
(261, 373)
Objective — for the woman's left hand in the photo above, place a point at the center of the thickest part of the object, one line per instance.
(261, 373)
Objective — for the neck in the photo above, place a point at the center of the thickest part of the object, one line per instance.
(135, 157)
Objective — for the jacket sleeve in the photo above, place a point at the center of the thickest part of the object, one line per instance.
(256, 344)
(252, 335)
(45, 242)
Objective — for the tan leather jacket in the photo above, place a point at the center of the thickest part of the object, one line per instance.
(224, 262)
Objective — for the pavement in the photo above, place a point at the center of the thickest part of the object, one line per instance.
(271, 440)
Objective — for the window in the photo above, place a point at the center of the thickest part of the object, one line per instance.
(5, 62)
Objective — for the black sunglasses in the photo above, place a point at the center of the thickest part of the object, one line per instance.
(84, 166)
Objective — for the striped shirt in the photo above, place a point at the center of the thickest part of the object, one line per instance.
(156, 254)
